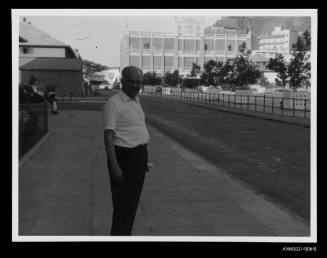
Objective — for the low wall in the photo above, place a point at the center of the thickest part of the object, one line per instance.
(33, 124)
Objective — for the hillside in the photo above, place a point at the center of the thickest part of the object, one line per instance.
(264, 24)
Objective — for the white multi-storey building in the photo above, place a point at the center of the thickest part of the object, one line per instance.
(190, 43)
(279, 42)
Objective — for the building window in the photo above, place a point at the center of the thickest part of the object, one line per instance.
(179, 29)
(189, 45)
(134, 61)
(188, 61)
(134, 43)
(198, 61)
(208, 45)
(146, 43)
(169, 61)
(169, 44)
(157, 62)
(189, 29)
(220, 45)
(157, 44)
(146, 61)
(198, 45)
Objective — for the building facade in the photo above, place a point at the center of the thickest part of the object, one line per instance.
(278, 42)
(45, 61)
(191, 43)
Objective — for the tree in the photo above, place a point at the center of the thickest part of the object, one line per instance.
(299, 68)
(243, 50)
(209, 73)
(223, 73)
(243, 72)
(172, 79)
(298, 71)
(151, 78)
(89, 68)
(196, 69)
(279, 66)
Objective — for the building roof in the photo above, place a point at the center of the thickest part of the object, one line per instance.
(48, 63)
(33, 36)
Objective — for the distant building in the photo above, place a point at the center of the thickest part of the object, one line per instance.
(261, 62)
(106, 78)
(190, 43)
(46, 61)
(278, 42)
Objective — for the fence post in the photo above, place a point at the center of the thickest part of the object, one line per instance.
(264, 103)
(282, 106)
(46, 116)
(234, 100)
(272, 106)
(223, 99)
(293, 107)
(228, 100)
(255, 103)
(305, 108)
(247, 102)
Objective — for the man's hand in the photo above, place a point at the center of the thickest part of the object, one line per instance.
(117, 174)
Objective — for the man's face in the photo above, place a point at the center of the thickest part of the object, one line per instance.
(132, 82)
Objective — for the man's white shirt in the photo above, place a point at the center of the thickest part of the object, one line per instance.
(125, 117)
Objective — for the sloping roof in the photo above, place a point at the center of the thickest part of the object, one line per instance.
(259, 58)
(35, 36)
(56, 64)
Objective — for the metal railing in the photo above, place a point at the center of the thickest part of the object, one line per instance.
(33, 124)
(293, 107)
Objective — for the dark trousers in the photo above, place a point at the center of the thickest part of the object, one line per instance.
(126, 195)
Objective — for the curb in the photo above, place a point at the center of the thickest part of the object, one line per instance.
(28, 155)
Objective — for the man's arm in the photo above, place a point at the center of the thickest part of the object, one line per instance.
(111, 155)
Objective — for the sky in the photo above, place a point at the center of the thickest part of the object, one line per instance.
(97, 38)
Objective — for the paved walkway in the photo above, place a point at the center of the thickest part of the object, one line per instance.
(64, 190)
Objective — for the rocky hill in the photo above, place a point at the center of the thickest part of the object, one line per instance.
(260, 25)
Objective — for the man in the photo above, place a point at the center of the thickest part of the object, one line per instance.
(126, 136)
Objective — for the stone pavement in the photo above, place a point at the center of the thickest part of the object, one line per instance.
(64, 190)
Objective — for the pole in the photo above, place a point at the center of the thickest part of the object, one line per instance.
(255, 103)
(305, 108)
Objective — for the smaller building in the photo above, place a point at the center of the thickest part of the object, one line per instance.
(280, 41)
(45, 61)
(106, 78)
(261, 62)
